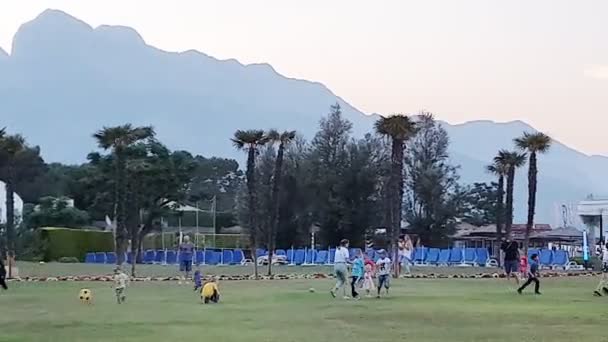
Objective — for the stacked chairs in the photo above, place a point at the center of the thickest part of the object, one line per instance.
(111, 258)
(100, 258)
(89, 258)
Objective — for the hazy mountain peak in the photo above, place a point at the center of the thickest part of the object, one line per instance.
(122, 35)
(52, 29)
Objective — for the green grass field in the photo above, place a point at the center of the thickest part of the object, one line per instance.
(417, 310)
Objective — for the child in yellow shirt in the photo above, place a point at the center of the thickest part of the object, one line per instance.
(210, 292)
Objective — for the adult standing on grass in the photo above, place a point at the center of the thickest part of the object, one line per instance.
(2, 275)
(511, 262)
(186, 251)
(341, 260)
(405, 254)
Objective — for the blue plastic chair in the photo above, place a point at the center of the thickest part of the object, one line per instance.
(311, 255)
(546, 257)
(560, 259)
(300, 257)
(332, 255)
(470, 256)
(238, 257)
(260, 252)
(171, 257)
(353, 252)
(111, 258)
(159, 258)
(420, 255)
(289, 254)
(89, 258)
(149, 256)
(321, 258)
(199, 257)
(100, 258)
(209, 257)
(130, 257)
(280, 252)
(432, 256)
(482, 257)
(444, 257)
(227, 256)
(456, 256)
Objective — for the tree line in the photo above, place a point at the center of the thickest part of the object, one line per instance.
(335, 185)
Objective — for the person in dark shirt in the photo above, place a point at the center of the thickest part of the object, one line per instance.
(533, 275)
(2, 275)
(511, 262)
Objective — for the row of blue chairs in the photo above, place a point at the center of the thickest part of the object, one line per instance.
(551, 259)
(425, 256)
(170, 257)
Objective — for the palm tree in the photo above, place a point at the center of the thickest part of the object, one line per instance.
(11, 147)
(399, 128)
(512, 161)
(283, 139)
(118, 139)
(250, 141)
(500, 171)
(533, 143)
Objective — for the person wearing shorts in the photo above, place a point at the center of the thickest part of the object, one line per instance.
(120, 285)
(511, 261)
(341, 261)
(383, 267)
(186, 251)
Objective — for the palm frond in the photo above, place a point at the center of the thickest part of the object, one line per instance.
(533, 142)
(396, 126)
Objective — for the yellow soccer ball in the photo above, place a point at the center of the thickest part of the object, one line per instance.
(85, 296)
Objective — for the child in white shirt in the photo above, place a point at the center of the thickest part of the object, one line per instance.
(383, 270)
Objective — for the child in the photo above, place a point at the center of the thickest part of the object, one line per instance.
(533, 275)
(198, 282)
(120, 285)
(357, 274)
(603, 284)
(2, 275)
(368, 280)
(210, 292)
(383, 266)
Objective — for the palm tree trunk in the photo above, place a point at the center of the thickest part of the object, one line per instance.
(532, 174)
(276, 189)
(397, 199)
(509, 209)
(500, 211)
(121, 229)
(253, 227)
(10, 220)
(500, 206)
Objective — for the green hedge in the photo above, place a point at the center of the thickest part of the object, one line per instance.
(65, 242)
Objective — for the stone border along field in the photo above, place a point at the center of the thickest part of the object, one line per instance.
(34, 272)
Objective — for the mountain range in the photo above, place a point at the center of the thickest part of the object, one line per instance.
(64, 79)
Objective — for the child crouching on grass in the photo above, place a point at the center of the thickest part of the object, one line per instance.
(210, 292)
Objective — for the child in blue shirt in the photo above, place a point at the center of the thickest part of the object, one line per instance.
(532, 275)
(357, 274)
(198, 281)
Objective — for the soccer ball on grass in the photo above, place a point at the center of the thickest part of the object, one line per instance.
(85, 296)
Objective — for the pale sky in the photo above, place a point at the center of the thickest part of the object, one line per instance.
(541, 61)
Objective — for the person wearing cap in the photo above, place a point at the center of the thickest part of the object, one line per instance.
(341, 260)
(383, 269)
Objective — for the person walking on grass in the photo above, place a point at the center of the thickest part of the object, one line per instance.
(357, 274)
(602, 286)
(186, 252)
(533, 275)
(511, 262)
(383, 267)
(341, 261)
(3, 275)
(120, 285)
(406, 249)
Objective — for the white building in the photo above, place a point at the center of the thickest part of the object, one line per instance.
(18, 204)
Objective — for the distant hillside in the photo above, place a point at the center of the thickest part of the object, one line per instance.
(64, 80)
